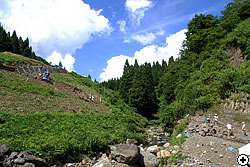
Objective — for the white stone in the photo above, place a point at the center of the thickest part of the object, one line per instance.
(153, 149)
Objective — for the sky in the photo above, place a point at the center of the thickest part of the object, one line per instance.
(97, 36)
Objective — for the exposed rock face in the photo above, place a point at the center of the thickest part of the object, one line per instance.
(148, 159)
(240, 103)
(235, 56)
(125, 153)
(15, 159)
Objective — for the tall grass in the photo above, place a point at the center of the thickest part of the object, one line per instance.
(51, 136)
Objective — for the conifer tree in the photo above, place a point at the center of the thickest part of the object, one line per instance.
(126, 82)
(15, 44)
(142, 95)
(3, 36)
(25, 48)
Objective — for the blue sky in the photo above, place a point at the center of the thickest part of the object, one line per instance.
(96, 36)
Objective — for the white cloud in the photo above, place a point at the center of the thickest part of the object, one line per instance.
(145, 39)
(148, 54)
(67, 61)
(115, 67)
(122, 25)
(136, 9)
(54, 26)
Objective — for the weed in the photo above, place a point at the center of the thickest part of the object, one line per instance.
(241, 118)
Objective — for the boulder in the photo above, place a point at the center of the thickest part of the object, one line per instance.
(125, 153)
(5, 149)
(154, 149)
(163, 154)
(148, 159)
(29, 158)
(103, 163)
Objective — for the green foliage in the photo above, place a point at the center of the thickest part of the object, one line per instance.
(242, 78)
(241, 118)
(9, 59)
(199, 29)
(234, 13)
(169, 114)
(75, 79)
(51, 136)
(239, 37)
(179, 129)
(14, 82)
(235, 97)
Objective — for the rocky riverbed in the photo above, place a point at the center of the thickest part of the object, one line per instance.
(208, 144)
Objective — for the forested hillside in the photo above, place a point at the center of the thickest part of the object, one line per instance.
(204, 74)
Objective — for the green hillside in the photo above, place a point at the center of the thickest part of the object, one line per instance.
(56, 119)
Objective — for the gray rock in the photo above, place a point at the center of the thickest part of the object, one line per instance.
(19, 160)
(29, 165)
(125, 153)
(103, 163)
(242, 105)
(5, 149)
(13, 155)
(154, 149)
(28, 157)
(148, 159)
(131, 141)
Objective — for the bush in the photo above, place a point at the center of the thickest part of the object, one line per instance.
(179, 129)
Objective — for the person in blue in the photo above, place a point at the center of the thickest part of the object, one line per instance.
(208, 120)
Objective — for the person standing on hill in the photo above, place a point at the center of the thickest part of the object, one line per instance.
(216, 119)
(229, 127)
(244, 128)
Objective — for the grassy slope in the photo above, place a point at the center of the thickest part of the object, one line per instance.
(10, 58)
(52, 121)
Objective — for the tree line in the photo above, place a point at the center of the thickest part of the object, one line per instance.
(12, 43)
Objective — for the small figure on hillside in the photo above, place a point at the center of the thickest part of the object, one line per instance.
(216, 119)
(208, 120)
(230, 131)
(244, 128)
